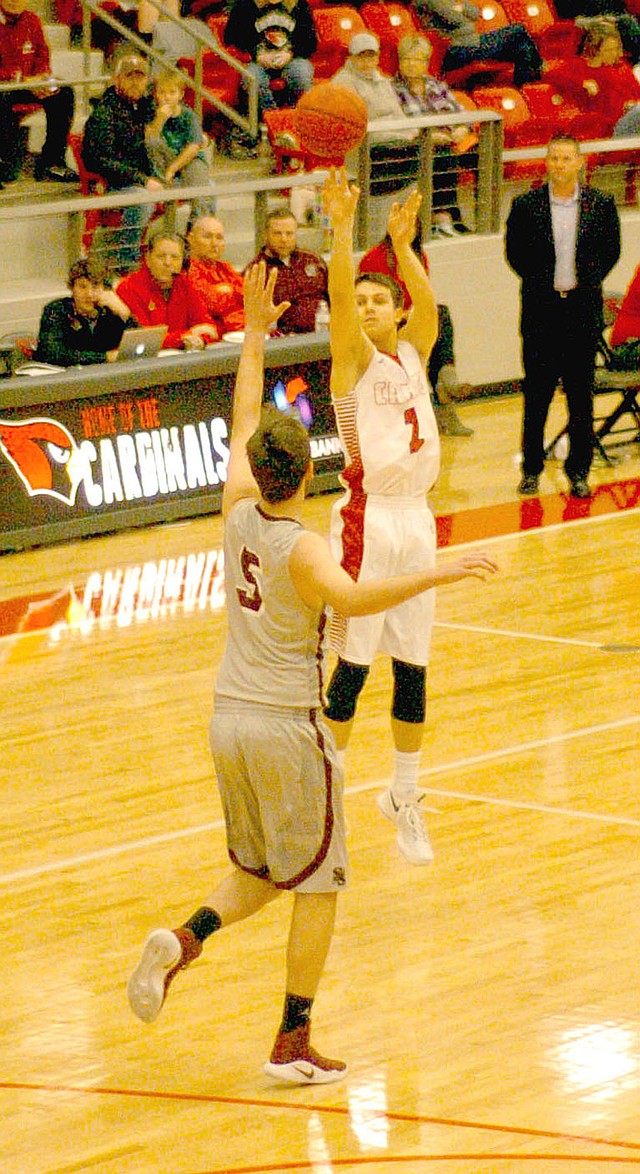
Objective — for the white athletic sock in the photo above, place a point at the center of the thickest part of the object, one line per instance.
(405, 779)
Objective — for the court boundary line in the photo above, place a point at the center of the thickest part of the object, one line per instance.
(511, 634)
(336, 1110)
(426, 772)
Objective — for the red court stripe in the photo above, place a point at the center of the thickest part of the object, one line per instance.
(534, 513)
(338, 1110)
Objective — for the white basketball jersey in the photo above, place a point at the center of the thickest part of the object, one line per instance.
(388, 428)
(274, 649)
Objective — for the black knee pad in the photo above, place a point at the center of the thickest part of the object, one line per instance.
(409, 692)
(344, 689)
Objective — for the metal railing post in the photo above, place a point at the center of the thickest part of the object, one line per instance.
(425, 178)
(363, 210)
(489, 189)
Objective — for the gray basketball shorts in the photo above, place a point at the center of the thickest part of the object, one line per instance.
(282, 795)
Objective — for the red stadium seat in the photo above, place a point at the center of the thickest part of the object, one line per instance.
(547, 104)
(492, 16)
(91, 185)
(521, 127)
(289, 155)
(556, 39)
(335, 26)
(390, 23)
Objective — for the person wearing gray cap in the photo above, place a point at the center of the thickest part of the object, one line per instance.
(395, 158)
(361, 73)
(114, 147)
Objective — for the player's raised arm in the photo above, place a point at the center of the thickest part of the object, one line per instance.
(422, 322)
(351, 350)
(260, 315)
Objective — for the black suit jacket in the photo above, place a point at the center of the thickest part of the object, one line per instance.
(531, 254)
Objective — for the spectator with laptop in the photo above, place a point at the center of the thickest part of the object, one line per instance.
(159, 293)
(220, 286)
(85, 327)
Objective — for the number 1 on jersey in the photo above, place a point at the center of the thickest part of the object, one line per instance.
(411, 418)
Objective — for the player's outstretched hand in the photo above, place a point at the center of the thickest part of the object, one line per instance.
(339, 198)
(476, 564)
(403, 219)
(260, 311)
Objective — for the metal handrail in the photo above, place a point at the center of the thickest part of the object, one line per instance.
(489, 188)
(74, 206)
(204, 40)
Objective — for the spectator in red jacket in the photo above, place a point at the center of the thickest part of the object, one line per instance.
(625, 334)
(160, 294)
(24, 57)
(220, 286)
(599, 81)
(302, 275)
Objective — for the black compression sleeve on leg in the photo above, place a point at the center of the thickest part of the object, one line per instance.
(344, 689)
(409, 692)
(203, 923)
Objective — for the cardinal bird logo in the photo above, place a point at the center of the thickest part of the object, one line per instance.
(45, 456)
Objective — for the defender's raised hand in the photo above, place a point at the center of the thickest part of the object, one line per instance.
(260, 311)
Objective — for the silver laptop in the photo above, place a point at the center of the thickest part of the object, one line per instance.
(143, 342)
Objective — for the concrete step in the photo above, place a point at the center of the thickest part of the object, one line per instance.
(57, 36)
(21, 304)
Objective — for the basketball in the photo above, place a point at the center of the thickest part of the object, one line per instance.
(330, 121)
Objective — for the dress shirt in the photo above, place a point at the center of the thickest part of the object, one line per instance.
(564, 223)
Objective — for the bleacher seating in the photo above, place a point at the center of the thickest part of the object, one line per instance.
(390, 23)
(521, 127)
(556, 39)
(479, 73)
(335, 26)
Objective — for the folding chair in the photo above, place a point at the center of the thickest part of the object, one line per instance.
(608, 381)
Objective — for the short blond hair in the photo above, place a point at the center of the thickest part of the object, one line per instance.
(169, 77)
(414, 45)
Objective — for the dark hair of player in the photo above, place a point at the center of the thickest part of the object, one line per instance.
(279, 453)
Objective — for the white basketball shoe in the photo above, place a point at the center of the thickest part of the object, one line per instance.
(412, 838)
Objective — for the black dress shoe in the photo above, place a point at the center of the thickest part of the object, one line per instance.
(58, 173)
(528, 486)
(579, 487)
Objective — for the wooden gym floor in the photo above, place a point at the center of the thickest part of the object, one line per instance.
(488, 1006)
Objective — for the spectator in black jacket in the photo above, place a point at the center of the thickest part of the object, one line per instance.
(114, 146)
(280, 37)
(87, 326)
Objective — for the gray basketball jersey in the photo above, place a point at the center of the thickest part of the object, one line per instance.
(274, 649)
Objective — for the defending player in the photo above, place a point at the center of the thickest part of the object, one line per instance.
(383, 524)
(278, 773)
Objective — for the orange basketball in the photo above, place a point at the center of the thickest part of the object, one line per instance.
(330, 121)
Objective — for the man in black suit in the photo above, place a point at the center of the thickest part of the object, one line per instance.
(562, 239)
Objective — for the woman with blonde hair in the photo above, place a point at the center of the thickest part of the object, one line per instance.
(421, 93)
